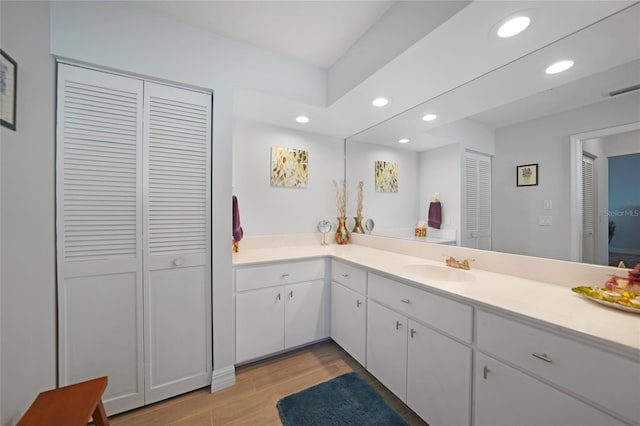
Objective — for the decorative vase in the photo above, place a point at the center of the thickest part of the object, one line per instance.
(357, 228)
(342, 234)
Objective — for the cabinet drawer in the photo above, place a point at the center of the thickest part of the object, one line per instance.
(606, 379)
(444, 314)
(349, 276)
(262, 276)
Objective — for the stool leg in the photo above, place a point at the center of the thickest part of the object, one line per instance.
(100, 416)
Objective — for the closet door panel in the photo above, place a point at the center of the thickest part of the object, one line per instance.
(177, 297)
(177, 240)
(99, 232)
(97, 306)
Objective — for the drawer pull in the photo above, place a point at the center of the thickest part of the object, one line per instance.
(405, 301)
(485, 372)
(413, 333)
(278, 296)
(291, 294)
(178, 261)
(398, 324)
(358, 303)
(543, 357)
(283, 276)
(345, 275)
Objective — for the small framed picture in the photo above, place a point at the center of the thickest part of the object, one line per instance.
(527, 175)
(8, 90)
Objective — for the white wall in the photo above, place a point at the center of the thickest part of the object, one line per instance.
(439, 171)
(544, 141)
(622, 143)
(390, 211)
(267, 210)
(27, 193)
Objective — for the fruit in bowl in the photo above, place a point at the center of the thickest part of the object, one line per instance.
(630, 284)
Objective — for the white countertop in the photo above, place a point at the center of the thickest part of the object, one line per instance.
(554, 305)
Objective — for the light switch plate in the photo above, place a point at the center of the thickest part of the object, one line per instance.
(545, 220)
(547, 204)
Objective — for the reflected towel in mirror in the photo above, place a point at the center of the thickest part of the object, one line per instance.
(435, 215)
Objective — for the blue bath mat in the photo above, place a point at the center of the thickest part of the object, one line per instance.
(345, 400)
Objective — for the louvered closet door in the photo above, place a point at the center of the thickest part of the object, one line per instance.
(177, 240)
(477, 201)
(99, 233)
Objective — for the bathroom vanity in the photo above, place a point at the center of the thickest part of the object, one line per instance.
(459, 347)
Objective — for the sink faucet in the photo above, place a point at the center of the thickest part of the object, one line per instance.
(451, 261)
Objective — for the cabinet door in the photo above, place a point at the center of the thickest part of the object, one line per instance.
(259, 323)
(306, 313)
(387, 348)
(505, 396)
(349, 320)
(438, 378)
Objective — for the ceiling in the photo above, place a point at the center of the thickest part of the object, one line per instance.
(607, 56)
(314, 32)
(323, 33)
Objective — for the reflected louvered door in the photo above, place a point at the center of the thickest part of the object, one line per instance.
(177, 239)
(477, 201)
(588, 209)
(99, 233)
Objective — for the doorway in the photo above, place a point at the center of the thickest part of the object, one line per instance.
(601, 145)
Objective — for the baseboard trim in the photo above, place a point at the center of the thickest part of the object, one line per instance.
(223, 378)
(623, 251)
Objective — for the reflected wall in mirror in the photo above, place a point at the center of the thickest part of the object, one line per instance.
(518, 115)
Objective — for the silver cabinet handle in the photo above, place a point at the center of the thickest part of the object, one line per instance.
(543, 357)
(405, 301)
(283, 276)
(358, 303)
(345, 275)
(291, 294)
(398, 324)
(413, 333)
(278, 296)
(485, 372)
(178, 261)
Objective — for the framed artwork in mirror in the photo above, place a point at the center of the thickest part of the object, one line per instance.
(527, 175)
(386, 176)
(8, 90)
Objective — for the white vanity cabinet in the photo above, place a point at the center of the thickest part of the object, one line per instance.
(349, 309)
(279, 306)
(524, 363)
(387, 348)
(505, 396)
(428, 370)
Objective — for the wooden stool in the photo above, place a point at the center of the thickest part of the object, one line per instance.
(72, 405)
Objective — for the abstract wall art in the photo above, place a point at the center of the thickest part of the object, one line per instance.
(289, 167)
(386, 176)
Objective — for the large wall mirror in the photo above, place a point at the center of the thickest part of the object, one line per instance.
(574, 137)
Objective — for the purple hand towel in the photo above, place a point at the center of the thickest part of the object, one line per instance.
(435, 214)
(237, 229)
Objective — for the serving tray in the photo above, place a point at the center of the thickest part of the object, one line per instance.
(595, 294)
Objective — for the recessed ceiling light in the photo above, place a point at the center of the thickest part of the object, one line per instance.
(559, 66)
(302, 119)
(429, 117)
(404, 140)
(380, 102)
(513, 26)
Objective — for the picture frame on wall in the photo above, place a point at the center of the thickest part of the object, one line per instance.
(527, 175)
(8, 90)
